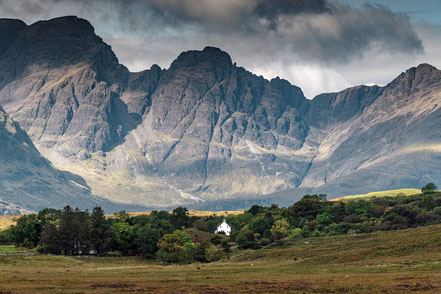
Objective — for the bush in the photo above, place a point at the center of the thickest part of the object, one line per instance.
(264, 242)
(426, 218)
(216, 240)
(352, 218)
(295, 233)
(212, 253)
(337, 229)
(242, 241)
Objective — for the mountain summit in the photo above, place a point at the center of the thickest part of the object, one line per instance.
(205, 129)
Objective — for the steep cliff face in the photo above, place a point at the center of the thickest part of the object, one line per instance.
(28, 181)
(206, 129)
(9, 31)
(61, 82)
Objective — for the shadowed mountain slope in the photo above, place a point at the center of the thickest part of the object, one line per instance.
(28, 181)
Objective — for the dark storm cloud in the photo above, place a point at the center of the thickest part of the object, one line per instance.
(272, 9)
(314, 30)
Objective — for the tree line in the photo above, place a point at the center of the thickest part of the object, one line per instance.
(177, 237)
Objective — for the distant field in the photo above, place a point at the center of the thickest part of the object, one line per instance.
(407, 261)
(7, 220)
(192, 213)
(392, 193)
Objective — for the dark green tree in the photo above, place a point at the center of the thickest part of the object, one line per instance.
(146, 241)
(123, 236)
(242, 241)
(99, 231)
(27, 231)
(50, 240)
(48, 216)
(255, 209)
(260, 225)
(429, 188)
(179, 217)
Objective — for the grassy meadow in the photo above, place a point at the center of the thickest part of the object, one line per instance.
(388, 193)
(401, 261)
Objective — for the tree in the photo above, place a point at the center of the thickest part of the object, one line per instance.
(429, 188)
(260, 225)
(280, 228)
(255, 209)
(50, 240)
(74, 231)
(48, 216)
(99, 230)
(325, 218)
(65, 230)
(146, 241)
(428, 202)
(306, 209)
(122, 216)
(242, 241)
(176, 248)
(200, 225)
(122, 237)
(179, 217)
(320, 197)
(27, 231)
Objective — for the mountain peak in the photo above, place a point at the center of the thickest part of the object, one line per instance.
(9, 31)
(209, 56)
(425, 67)
(67, 24)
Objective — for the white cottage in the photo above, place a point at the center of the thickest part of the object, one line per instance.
(224, 227)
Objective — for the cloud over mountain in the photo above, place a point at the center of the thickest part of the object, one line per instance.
(317, 30)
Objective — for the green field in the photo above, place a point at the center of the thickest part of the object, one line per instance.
(390, 262)
(11, 249)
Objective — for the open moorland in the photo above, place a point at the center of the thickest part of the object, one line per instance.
(400, 261)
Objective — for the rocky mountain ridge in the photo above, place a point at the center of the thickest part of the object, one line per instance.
(205, 129)
(29, 182)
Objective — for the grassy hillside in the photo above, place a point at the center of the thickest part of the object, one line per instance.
(389, 193)
(390, 262)
(7, 220)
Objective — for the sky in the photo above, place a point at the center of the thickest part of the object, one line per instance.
(318, 45)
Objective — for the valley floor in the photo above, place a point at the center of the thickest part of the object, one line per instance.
(389, 262)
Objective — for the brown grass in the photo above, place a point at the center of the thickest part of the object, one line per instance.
(191, 213)
(7, 220)
(407, 261)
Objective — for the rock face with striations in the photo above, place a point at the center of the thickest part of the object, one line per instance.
(28, 181)
(206, 129)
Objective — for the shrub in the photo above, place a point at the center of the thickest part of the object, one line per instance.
(295, 233)
(242, 241)
(264, 242)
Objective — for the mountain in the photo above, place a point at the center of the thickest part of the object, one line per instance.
(29, 182)
(205, 129)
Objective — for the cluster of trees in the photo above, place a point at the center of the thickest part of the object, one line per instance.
(179, 238)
